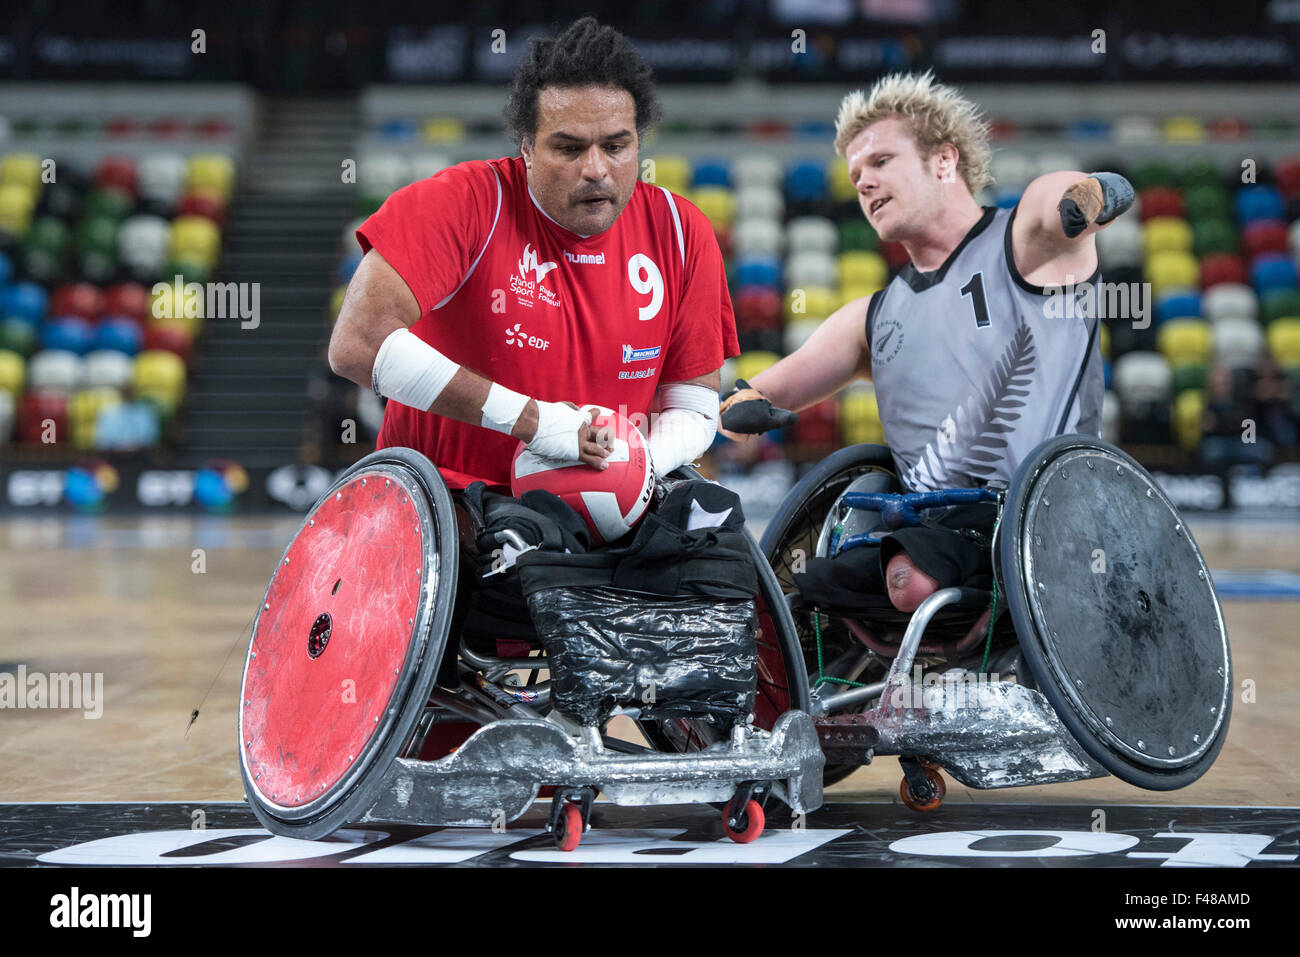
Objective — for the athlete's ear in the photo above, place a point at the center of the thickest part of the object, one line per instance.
(948, 157)
(526, 148)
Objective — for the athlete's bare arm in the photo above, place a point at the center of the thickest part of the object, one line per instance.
(1044, 254)
(377, 303)
(835, 355)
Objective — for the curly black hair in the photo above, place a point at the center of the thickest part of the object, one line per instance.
(584, 54)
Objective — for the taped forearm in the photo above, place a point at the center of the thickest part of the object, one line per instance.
(410, 371)
(684, 428)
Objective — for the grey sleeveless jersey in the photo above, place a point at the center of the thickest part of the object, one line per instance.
(973, 366)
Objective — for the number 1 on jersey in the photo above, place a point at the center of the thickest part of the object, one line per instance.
(975, 289)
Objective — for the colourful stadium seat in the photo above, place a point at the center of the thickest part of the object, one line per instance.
(717, 203)
(1238, 343)
(758, 271)
(1160, 201)
(8, 414)
(1259, 201)
(671, 171)
(1177, 305)
(711, 172)
(1185, 340)
(69, 333)
(427, 163)
(213, 171)
(1189, 375)
(119, 334)
(13, 373)
(756, 170)
(108, 368)
(816, 302)
(1012, 170)
(1271, 271)
(159, 377)
(1135, 129)
(1184, 129)
(1213, 236)
(1278, 303)
(813, 268)
(21, 169)
(129, 299)
(860, 415)
(18, 336)
(1207, 201)
(817, 425)
(1120, 244)
(26, 300)
(856, 269)
(1284, 340)
(1228, 128)
(160, 178)
(796, 333)
(443, 129)
(1142, 377)
(43, 415)
(1105, 341)
(109, 202)
(1264, 236)
(1154, 174)
(1219, 268)
(118, 172)
(1287, 176)
(203, 202)
(142, 245)
(757, 237)
(1230, 301)
(1172, 270)
(16, 206)
(84, 408)
(759, 202)
(1189, 407)
(1166, 234)
(195, 236)
(1199, 172)
(842, 188)
(806, 181)
(856, 233)
(55, 371)
(758, 307)
(806, 234)
(750, 364)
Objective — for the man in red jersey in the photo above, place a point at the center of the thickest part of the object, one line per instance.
(495, 295)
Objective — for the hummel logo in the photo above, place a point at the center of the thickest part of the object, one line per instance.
(529, 264)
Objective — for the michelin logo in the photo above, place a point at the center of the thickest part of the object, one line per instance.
(639, 355)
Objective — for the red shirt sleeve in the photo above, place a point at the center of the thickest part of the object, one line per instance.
(432, 231)
(704, 331)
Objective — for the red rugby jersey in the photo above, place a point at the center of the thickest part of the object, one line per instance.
(506, 291)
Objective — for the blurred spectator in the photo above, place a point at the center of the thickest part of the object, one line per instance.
(1275, 408)
(1228, 419)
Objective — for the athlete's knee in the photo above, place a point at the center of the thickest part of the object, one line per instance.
(908, 586)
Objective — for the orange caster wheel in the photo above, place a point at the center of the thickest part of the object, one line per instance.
(747, 825)
(916, 804)
(568, 830)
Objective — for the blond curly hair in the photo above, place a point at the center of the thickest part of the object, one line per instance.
(935, 114)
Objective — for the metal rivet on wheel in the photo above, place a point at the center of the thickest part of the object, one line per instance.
(337, 496)
(257, 775)
(1178, 529)
(1150, 493)
(1064, 474)
(1078, 682)
(311, 522)
(1046, 503)
(410, 621)
(1038, 539)
(349, 757)
(286, 559)
(1214, 709)
(1117, 470)
(248, 744)
(267, 606)
(1196, 739)
(1109, 722)
(363, 481)
(1142, 745)
(387, 482)
(1042, 587)
(1171, 750)
(1091, 467)
(253, 655)
(247, 702)
(1201, 574)
(376, 720)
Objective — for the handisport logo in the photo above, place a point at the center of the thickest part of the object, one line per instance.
(528, 263)
(632, 354)
(515, 336)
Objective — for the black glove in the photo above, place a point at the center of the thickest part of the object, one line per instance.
(745, 409)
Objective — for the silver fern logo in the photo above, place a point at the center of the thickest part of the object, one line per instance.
(888, 340)
(972, 442)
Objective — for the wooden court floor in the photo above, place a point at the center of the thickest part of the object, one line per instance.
(160, 607)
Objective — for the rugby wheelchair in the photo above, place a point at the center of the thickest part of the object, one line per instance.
(346, 687)
(1100, 647)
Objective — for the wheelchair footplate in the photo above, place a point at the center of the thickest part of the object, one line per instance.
(496, 774)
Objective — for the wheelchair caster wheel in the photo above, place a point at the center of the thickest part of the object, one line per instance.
(937, 786)
(929, 763)
(568, 829)
(746, 826)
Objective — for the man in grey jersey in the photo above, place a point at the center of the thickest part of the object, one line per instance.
(972, 366)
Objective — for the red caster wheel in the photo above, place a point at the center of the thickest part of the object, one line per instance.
(915, 803)
(568, 831)
(749, 824)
